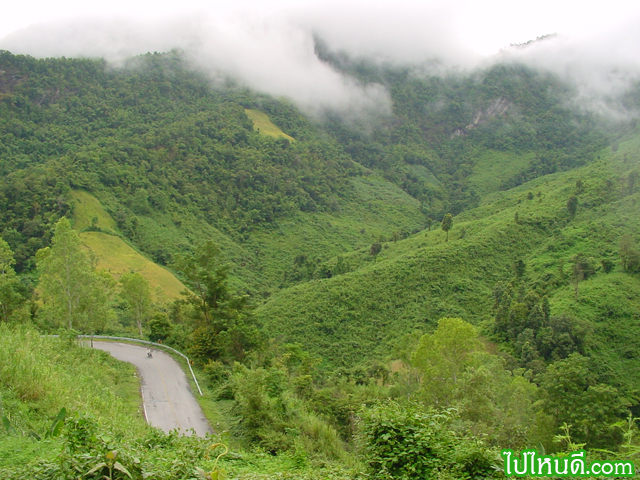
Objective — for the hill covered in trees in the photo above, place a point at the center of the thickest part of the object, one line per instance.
(469, 258)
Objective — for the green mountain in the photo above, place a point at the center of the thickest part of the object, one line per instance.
(324, 284)
(414, 282)
(173, 161)
(296, 205)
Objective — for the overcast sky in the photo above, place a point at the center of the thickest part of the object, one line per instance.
(269, 44)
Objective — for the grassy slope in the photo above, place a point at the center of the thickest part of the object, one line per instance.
(265, 126)
(113, 253)
(379, 208)
(117, 257)
(610, 302)
(86, 208)
(41, 375)
(494, 167)
(356, 315)
(418, 280)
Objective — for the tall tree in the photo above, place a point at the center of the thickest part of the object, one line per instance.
(205, 275)
(73, 294)
(137, 294)
(428, 223)
(226, 328)
(442, 356)
(375, 249)
(582, 270)
(10, 296)
(447, 223)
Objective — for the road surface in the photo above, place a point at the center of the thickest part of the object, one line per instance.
(167, 398)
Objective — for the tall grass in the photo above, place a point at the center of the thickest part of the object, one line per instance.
(50, 373)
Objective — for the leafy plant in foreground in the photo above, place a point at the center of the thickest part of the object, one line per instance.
(216, 473)
(408, 441)
(111, 464)
(53, 431)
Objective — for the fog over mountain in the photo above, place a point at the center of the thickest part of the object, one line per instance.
(602, 67)
(272, 50)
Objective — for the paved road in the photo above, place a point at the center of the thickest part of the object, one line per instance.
(167, 398)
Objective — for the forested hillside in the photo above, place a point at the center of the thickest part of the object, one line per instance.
(528, 237)
(174, 160)
(397, 296)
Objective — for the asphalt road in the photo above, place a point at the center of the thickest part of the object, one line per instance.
(167, 398)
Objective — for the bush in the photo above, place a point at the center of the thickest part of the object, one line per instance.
(409, 441)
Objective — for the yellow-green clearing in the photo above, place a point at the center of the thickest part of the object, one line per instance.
(113, 254)
(117, 258)
(87, 208)
(264, 126)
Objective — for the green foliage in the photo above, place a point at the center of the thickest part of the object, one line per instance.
(268, 413)
(406, 441)
(441, 358)
(572, 393)
(160, 327)
(136, 292)
(629, 254)
(88, 450)
(572, 206)
(192, 169)
(349, 318)
(225, 327)
(51, 374)
(456, 371)
(33, 200)
(53, 431)
(206, 277)
(73, 294)
(523, 318)
(11, 291)
(509, 114)
(447, 223)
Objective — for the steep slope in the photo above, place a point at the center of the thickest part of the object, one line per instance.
(112, 253)
(262, 124)
(357, 315)
(175, 162)
(414, 282)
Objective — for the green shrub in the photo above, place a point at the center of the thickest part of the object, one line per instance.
(408, 441)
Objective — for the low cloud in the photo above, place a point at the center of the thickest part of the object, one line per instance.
(274, 51)
(269, 54)
(276, 56)
(602, 67)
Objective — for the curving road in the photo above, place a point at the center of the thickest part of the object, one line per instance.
(167, 398)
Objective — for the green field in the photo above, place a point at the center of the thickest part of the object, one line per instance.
(87, 210)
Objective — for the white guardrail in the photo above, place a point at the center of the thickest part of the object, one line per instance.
(147, 343)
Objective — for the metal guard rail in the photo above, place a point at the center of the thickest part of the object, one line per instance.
(148, 343)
